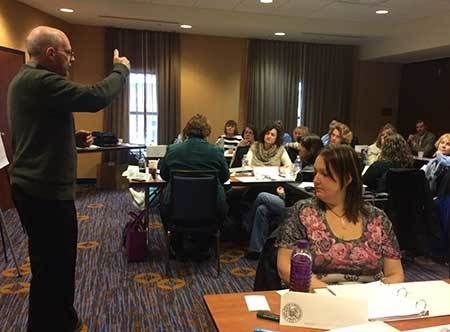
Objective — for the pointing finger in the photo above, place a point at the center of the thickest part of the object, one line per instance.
(116, 53)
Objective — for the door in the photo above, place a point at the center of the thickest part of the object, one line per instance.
(10, 63)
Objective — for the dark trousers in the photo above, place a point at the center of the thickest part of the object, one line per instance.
(51, 226)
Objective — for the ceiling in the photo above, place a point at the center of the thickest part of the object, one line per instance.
(330, 21)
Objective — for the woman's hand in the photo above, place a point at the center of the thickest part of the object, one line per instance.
(244, 142)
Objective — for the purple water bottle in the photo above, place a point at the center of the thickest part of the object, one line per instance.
(301, 267)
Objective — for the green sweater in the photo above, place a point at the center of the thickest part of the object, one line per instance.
(40, 106)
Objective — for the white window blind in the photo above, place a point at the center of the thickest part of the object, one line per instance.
(143, 109)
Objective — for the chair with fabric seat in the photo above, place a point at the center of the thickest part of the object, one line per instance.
(193, 206)
(410, 209)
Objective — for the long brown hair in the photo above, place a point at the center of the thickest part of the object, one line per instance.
(342, 161)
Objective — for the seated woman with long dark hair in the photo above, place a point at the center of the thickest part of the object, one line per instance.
(350, 240)
(248, 138)
(269, 208)
(269, 149)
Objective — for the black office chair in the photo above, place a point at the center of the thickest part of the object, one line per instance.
(292, 153)
(238, 155)
(193, 206)
(410, 209)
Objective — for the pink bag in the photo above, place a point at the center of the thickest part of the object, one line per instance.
(135, 238)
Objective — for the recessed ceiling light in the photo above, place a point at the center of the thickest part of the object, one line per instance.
(280, 33)
(185, 26)
(266, 1)
(382, 12)
(66, 10)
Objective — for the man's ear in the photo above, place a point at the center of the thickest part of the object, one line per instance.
(50, 52)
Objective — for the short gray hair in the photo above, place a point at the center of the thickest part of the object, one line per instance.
(42, 37)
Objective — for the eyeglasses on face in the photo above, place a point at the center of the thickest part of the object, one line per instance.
(69, 53)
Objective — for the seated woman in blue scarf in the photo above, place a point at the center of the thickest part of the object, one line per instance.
(437, 172)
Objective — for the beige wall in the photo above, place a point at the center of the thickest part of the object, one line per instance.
(375, 86)
(210, 79)
(17, 20)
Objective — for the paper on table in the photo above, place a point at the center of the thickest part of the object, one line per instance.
(256, 302)
(307, 310)
(369, 327)
(3, 158)
(260, 179)
(282, 291)
(306, 184)
(440, 328)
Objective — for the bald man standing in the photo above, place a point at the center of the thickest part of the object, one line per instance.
(41, 101)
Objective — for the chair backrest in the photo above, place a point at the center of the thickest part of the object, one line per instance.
(407, 208)
(238, 155)
(193, 195)
(292, 153)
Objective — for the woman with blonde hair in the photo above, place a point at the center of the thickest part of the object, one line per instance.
(340, 133)
(440, 164)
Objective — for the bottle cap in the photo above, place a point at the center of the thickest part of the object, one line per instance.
(302, 244)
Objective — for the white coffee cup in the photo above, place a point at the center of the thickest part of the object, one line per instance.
(420, 154)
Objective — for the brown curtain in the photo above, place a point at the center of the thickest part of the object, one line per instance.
(327, 84)
(149, 53)
(274, 70)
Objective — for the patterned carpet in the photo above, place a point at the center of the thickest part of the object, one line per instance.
(114, 295)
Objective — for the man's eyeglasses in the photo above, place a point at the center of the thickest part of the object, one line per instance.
(69, 53)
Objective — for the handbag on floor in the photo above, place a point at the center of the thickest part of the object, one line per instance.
(135, 238)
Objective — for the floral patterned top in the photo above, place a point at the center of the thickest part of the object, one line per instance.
(335, 259)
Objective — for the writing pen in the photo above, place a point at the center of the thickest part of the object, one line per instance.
(262, 330)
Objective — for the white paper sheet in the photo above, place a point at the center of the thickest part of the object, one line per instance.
(369, 327)
(256, 302)
(3, 159)
(307, 310)
(306, 184)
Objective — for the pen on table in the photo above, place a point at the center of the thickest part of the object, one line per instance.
(262, 330)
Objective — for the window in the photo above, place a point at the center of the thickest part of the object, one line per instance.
(143, 109)
(299, 108)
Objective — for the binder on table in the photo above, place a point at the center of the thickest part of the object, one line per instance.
(400, 301)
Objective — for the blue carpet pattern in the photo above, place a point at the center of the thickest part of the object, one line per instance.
(114, 295)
